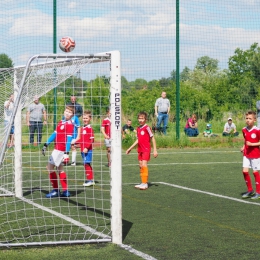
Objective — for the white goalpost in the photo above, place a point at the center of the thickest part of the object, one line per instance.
(90, 214)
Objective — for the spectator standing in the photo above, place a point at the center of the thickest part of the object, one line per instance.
(162, 110)
(36, 112)
(230, 128)
(191, 127)
(8, 109)
(258, 113)
(77, 106)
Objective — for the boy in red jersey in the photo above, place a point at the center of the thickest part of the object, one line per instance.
(62, 137)
(144, 137)
(251, 155)
(105, 130)
(86, 139)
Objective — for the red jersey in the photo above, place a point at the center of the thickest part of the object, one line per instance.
(86, 137)
(253, 136)
(144, 135)
(63, 130)
(106, 123)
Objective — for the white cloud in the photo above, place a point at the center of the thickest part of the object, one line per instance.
(145, 29)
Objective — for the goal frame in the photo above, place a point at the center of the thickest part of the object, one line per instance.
(116, 144)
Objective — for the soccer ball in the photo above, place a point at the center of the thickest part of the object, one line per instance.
(67, 44)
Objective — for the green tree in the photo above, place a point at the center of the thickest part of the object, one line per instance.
(97, 94)
(5, 61)
(243, 78)
(207, 64)
(185, 74)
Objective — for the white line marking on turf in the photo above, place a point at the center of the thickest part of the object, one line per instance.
(198, 163)
(136, 252)
(71, 220)
(177, 152)
(209, 193)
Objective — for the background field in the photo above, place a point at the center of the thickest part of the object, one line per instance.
(192, 210)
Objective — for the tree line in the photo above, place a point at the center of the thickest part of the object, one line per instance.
(206, 90)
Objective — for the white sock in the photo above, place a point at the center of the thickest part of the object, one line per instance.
(74, 155)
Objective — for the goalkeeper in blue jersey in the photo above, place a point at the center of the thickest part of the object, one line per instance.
(62, 136)
(76, 135)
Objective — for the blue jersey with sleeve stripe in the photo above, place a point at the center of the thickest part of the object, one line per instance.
(76, 122)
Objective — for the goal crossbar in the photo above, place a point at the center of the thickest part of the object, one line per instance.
(41, 74)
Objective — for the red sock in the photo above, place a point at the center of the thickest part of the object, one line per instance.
(88, 171)
(248, 181)
(257, 182)
(53, 179)
(63, 181)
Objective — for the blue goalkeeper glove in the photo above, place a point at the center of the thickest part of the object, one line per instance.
(44, 149)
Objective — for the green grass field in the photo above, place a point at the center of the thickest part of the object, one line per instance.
(192, 210)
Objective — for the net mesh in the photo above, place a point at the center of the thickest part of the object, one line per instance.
(32, 218)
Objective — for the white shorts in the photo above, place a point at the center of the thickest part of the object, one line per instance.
(108, 142)
(56, 157)
(254, 164)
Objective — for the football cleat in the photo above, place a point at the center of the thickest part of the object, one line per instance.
(248, 194)
(65, 194)
(256, 196)
(138, 186)
(53, 194)
(143, 186)
(88, 183)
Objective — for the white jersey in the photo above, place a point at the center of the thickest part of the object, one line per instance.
(8, 110)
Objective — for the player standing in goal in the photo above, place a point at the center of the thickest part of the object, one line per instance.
(86, 139)
(144, 138)
(76, 135)
(251, 155)
(105, 129)
(62, 137)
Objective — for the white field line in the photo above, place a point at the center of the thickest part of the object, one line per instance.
(93, 231)
(187, 152)
(71, 220)
(209, 193)
(188, 163)
(136, 252)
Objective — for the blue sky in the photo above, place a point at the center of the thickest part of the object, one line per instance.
(144, 31)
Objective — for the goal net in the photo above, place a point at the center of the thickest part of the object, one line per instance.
(90, 214)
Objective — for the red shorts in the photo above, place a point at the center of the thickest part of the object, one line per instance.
(144, 156)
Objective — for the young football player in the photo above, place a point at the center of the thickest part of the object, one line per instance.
(105, 130)
(62, 137)
(251, 155)
(76, 135)
(86, 140)
(144, 138)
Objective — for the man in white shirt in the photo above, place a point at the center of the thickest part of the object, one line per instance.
(230, 128)
(35, 115)
(8, 110)
(162, 110)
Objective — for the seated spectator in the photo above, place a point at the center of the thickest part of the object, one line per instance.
(191, 127)
(128, 128)
(230, 128)
(208, 131)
